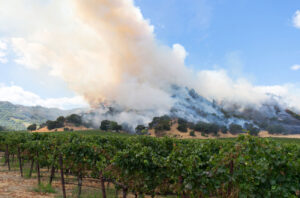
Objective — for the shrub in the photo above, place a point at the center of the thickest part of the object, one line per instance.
(207, 127)
(224, 129)
(52, 124)
(235, 128)
(114, 126)
(213, 128)
(182, 125)
(104, 125)
(42, 188)
(161, 123)
(110, 125)
(192, 133)
(61, 119)
(2, 128)
(74, 119)
(31, 127)
(141, 130)
(252, 130)
(275, 129)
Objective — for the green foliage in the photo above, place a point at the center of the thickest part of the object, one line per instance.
(207, 127)
(2, 128)
(42, 188)
(235, 128)
(107, 125)
(141, 130)
(31, 127)
(161, 124)
(182, 125)
(114, 126)
(192, 133)
(275, 129)
(53, 124)
(74, 119)
(224, 129)
(246, 166)
(295, 115)
(61, 119)
(252, 129)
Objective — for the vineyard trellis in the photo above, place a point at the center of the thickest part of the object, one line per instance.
(243, 167)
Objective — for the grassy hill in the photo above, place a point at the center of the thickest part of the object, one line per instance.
(18, 117)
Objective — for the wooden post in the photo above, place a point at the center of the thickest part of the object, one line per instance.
(31, 167)
(8, 163)
(52, 174)
(125, 192)
(62, 176)
(79, 184)
(38, 168)
(52, 170)
(20, 161)
(102, 185)
(230, 185)
(117, 192)
(180, 180)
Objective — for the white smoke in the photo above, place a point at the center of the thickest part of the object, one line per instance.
(107, 52)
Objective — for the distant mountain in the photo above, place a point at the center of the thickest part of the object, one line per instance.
(18, 117)
(193, 107)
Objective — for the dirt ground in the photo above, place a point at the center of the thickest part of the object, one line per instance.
(13, 185)
(175, 133)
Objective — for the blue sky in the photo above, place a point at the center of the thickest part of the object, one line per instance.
(258, 36)
(253, 39)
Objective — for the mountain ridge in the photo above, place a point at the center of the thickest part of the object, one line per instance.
(18, 117)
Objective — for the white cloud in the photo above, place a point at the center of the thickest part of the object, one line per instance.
(18, 95)
(295, 67)
(180, 52)
(296, 19)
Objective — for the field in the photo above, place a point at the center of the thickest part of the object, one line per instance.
(104, 164)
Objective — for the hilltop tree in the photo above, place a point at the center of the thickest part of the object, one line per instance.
(52, 124)
(182, 125)
(2, 128)
(105, 125)
(61, 119)
(141, 130)
(275, 129)
(235, 128)
(224, 129)
(115, 126)
(74, 119)
(32, 127)
(162, 123)
(251, 129)
(207, 127)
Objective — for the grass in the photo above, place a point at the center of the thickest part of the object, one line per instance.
(95, 132)
(42, 188)
(94, 193)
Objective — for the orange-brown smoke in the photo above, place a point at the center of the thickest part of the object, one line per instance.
(106, 51)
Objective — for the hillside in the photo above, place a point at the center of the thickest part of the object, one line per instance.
(18, 117)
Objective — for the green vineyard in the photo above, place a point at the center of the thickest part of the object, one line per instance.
(144, 166)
